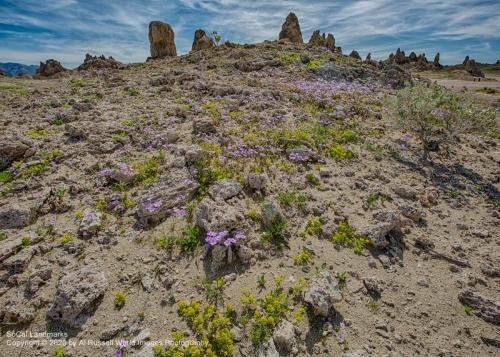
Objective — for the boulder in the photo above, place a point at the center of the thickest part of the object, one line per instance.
(16, 313)
(101, 62)
(290, 30)
(323, 293)
(19, 262)
(91, 223)
(284, 338)
(203, 126)
(12, 149)
(202, 41)
(485, 308)
(217, 216)
(384, 222)
(77, 293)
(372, 285)
(224, 189)
(161, 40)
(256, 181)
(17, 214)
(50, 68)
(267, 349)
(271, 214)
(175, 189)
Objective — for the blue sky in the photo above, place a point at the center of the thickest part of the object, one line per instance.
(33, 31)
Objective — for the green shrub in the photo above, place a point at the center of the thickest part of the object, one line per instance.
(120, 299)
(190, 240)
(436, 116)
(5, 176)
(346, 236)
(275, 234)
(210, 327)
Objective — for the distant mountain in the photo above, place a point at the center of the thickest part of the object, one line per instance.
(18, 69)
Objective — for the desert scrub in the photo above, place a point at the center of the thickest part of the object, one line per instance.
(314, 226)
(120, 299)
(346, 236)
(290, 198)
(190, 240)
(339, 153)
(437, 116)
(121, 137)
(210, 327)
(67, 238)
(5, 176)
(264, 314)
(304, 257)
(58, 352)
(288, 58)
(214, 289)
(275, 233)
(148, 170)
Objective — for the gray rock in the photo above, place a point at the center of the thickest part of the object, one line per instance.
(77, 293)
(174, 189)
(12, 149)
(486, 308)
(143, 336)
(256, 181)
(91, 223)
(217, 216)
(323, 293)
(384, 223)
(267, 349)
(39, 275)
(76, 130)
(203, 126)
(17, 214)
(270, 214)
(19, 262)
(147, 283)
(372, 285)
(193, 153)
(16, 313)
(412, 212)
(284, 338)
(224, 189)
(110, 332)
(406, 192)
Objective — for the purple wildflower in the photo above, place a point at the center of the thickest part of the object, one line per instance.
(214, 238)
(89, 216)
(104, 172)
(230, 241)
(123, 344)
(151, 207)
(179, 212)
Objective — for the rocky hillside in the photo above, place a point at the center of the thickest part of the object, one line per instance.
(244, 200)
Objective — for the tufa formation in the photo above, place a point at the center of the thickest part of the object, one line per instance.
(202, 41)
(318, 40)
(161, 40)
(290, 30)
(101, 62)
(50, 68)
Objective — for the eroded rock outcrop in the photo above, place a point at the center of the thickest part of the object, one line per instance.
(99, 62)
(78, 291)
(323, 293)
(161, 40)
(202, 41)
(290, 30)
(50, 68)
(471, 66)
(318, 40)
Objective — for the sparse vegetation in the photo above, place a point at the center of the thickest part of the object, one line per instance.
(436, 116)
(346, 236)
(120, 299)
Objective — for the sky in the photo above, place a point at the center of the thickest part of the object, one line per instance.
(34, 31)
